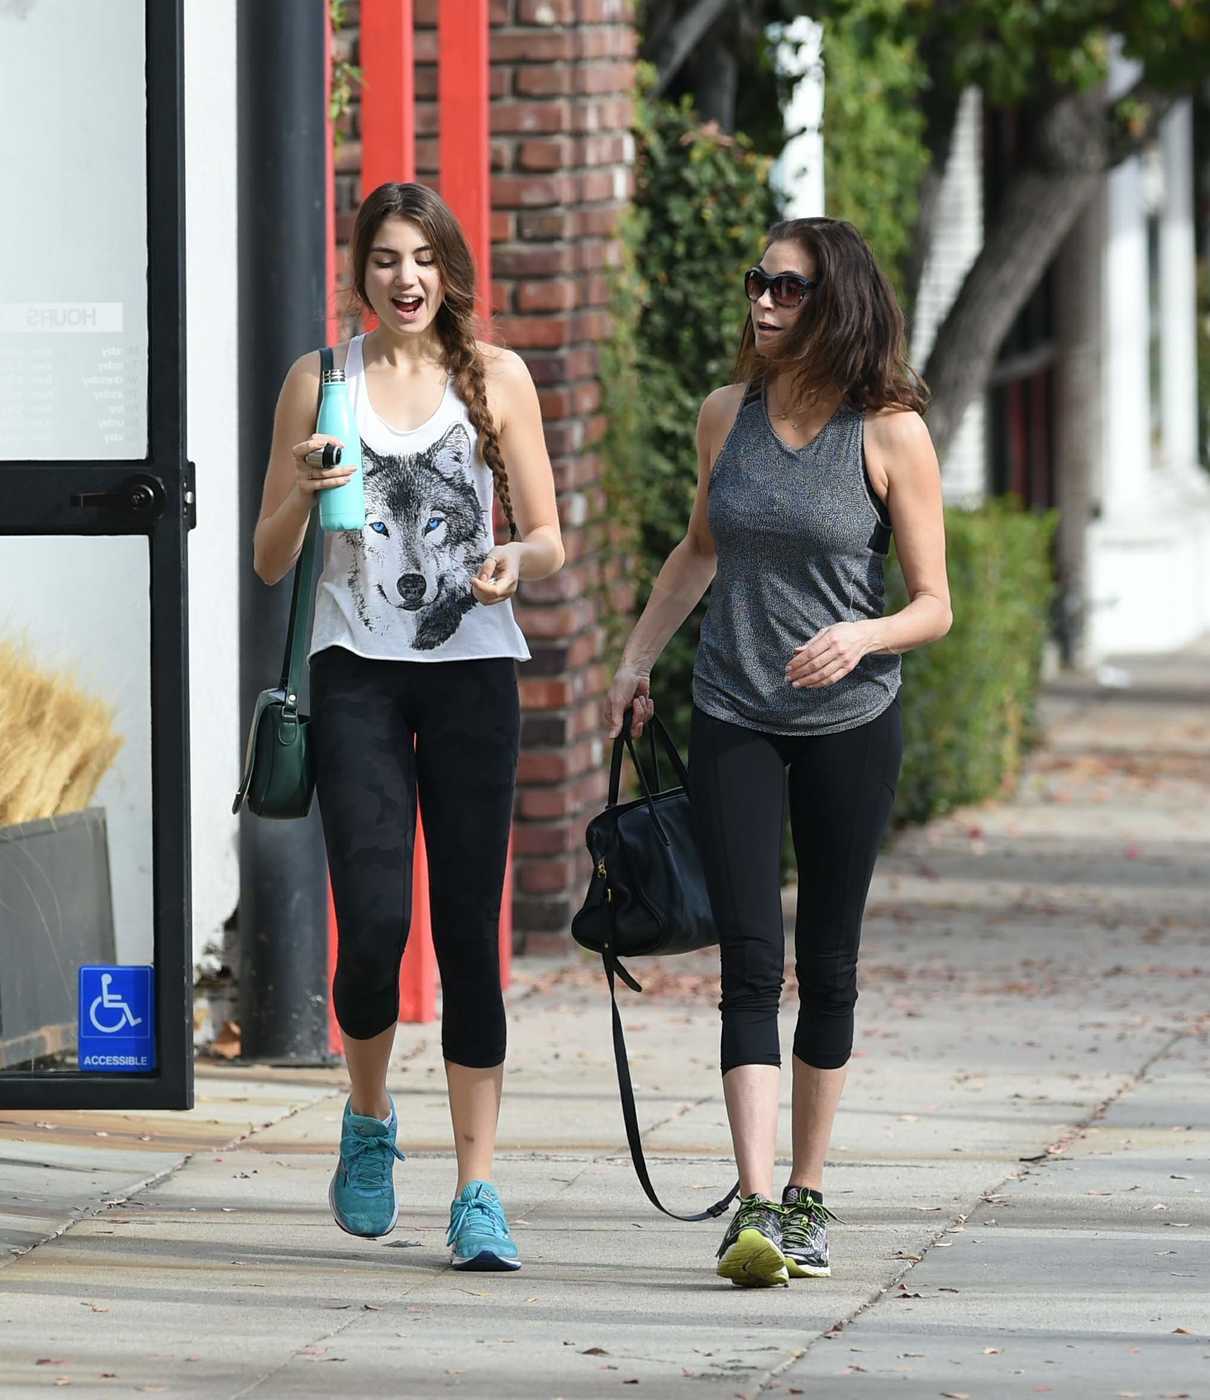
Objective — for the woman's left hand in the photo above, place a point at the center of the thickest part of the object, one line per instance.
(829, 656)
(498, 575)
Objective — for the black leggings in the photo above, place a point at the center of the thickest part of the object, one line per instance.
(841, 789)
(383, 731)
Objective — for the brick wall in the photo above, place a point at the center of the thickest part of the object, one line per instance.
(561, 77)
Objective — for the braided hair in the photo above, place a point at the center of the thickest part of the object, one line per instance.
(455, 323)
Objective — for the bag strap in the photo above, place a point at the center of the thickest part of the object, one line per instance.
(625, 743)
(629, 1114)
(302, 600)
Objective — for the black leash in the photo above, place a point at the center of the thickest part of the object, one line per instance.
(629, 1114)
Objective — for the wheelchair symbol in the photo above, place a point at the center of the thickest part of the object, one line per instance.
(112, 1002)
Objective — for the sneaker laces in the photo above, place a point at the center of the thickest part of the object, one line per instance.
(801, 1216)
(481, 1210)
(368, 1162)
(755, 1210)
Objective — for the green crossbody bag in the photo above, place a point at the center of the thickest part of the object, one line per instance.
(279, 778)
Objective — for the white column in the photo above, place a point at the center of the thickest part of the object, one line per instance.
(1178, 292)
(799, 171)
(1127, 444)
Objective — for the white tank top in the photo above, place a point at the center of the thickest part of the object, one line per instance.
(400, 589)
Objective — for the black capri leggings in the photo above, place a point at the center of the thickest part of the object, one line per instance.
(841, 788)
(383, 732)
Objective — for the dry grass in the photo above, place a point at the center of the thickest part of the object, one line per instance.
(56, 742)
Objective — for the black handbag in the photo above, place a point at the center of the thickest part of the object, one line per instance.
(279, 778)
(647, 897)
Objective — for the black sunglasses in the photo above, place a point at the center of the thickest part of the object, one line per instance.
(788, 288)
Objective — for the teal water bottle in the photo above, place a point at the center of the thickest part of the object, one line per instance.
(344, 507)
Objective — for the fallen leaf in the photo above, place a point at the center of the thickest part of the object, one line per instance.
(991, 1351)
(1183, 1331)
(595, 1351)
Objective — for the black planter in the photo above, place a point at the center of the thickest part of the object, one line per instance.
(56, 912)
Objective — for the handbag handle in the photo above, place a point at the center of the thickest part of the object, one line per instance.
(631, 1118)
(624, 743)
(302, 599)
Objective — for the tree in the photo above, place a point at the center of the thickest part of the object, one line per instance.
(1050, 57)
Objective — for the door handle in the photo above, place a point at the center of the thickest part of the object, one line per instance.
(137, 495)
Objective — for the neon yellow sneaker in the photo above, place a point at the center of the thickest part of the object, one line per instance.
(750, 1254)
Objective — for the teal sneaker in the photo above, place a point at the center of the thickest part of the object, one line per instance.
(478, 1237)
(362, 1193)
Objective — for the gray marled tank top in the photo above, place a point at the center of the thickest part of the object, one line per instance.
(800, 540)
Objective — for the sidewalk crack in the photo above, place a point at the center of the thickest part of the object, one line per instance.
(1052, 1153)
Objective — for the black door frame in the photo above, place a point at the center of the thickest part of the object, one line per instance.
(153, 497)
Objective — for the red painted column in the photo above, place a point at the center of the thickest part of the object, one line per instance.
(388, 153)
(418, 975)
(464, 161)
(464, 152)
(330, 333)
(388, 93)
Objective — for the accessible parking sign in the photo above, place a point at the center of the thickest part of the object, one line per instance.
(117, 1019)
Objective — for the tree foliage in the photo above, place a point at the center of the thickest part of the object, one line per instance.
(874, 134)
(702, 207)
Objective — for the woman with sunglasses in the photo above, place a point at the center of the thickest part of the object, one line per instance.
(806, 464)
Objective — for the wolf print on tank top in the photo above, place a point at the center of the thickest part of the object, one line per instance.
(400, 589)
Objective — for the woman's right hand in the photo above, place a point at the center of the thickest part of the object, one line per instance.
(312, 479)
(630, 687)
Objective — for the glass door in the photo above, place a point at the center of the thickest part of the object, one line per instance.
(95, 502)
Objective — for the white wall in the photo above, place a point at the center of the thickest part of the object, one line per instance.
(212, 306)
(1149, 553)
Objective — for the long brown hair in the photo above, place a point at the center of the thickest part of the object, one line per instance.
(455, 322)
(849, 334)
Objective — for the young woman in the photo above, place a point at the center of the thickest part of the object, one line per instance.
(805, 465)
(413, 680)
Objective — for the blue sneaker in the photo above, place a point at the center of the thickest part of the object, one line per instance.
(478, 1237)
(362, 1193)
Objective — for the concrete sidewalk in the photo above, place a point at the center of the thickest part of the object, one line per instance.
(1020, 1160)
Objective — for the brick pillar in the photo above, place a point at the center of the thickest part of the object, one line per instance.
(562, 74)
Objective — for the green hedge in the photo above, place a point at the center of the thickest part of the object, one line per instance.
(702, 207)
(969, 701)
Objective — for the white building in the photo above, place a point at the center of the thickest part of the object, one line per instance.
(1148, 545)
